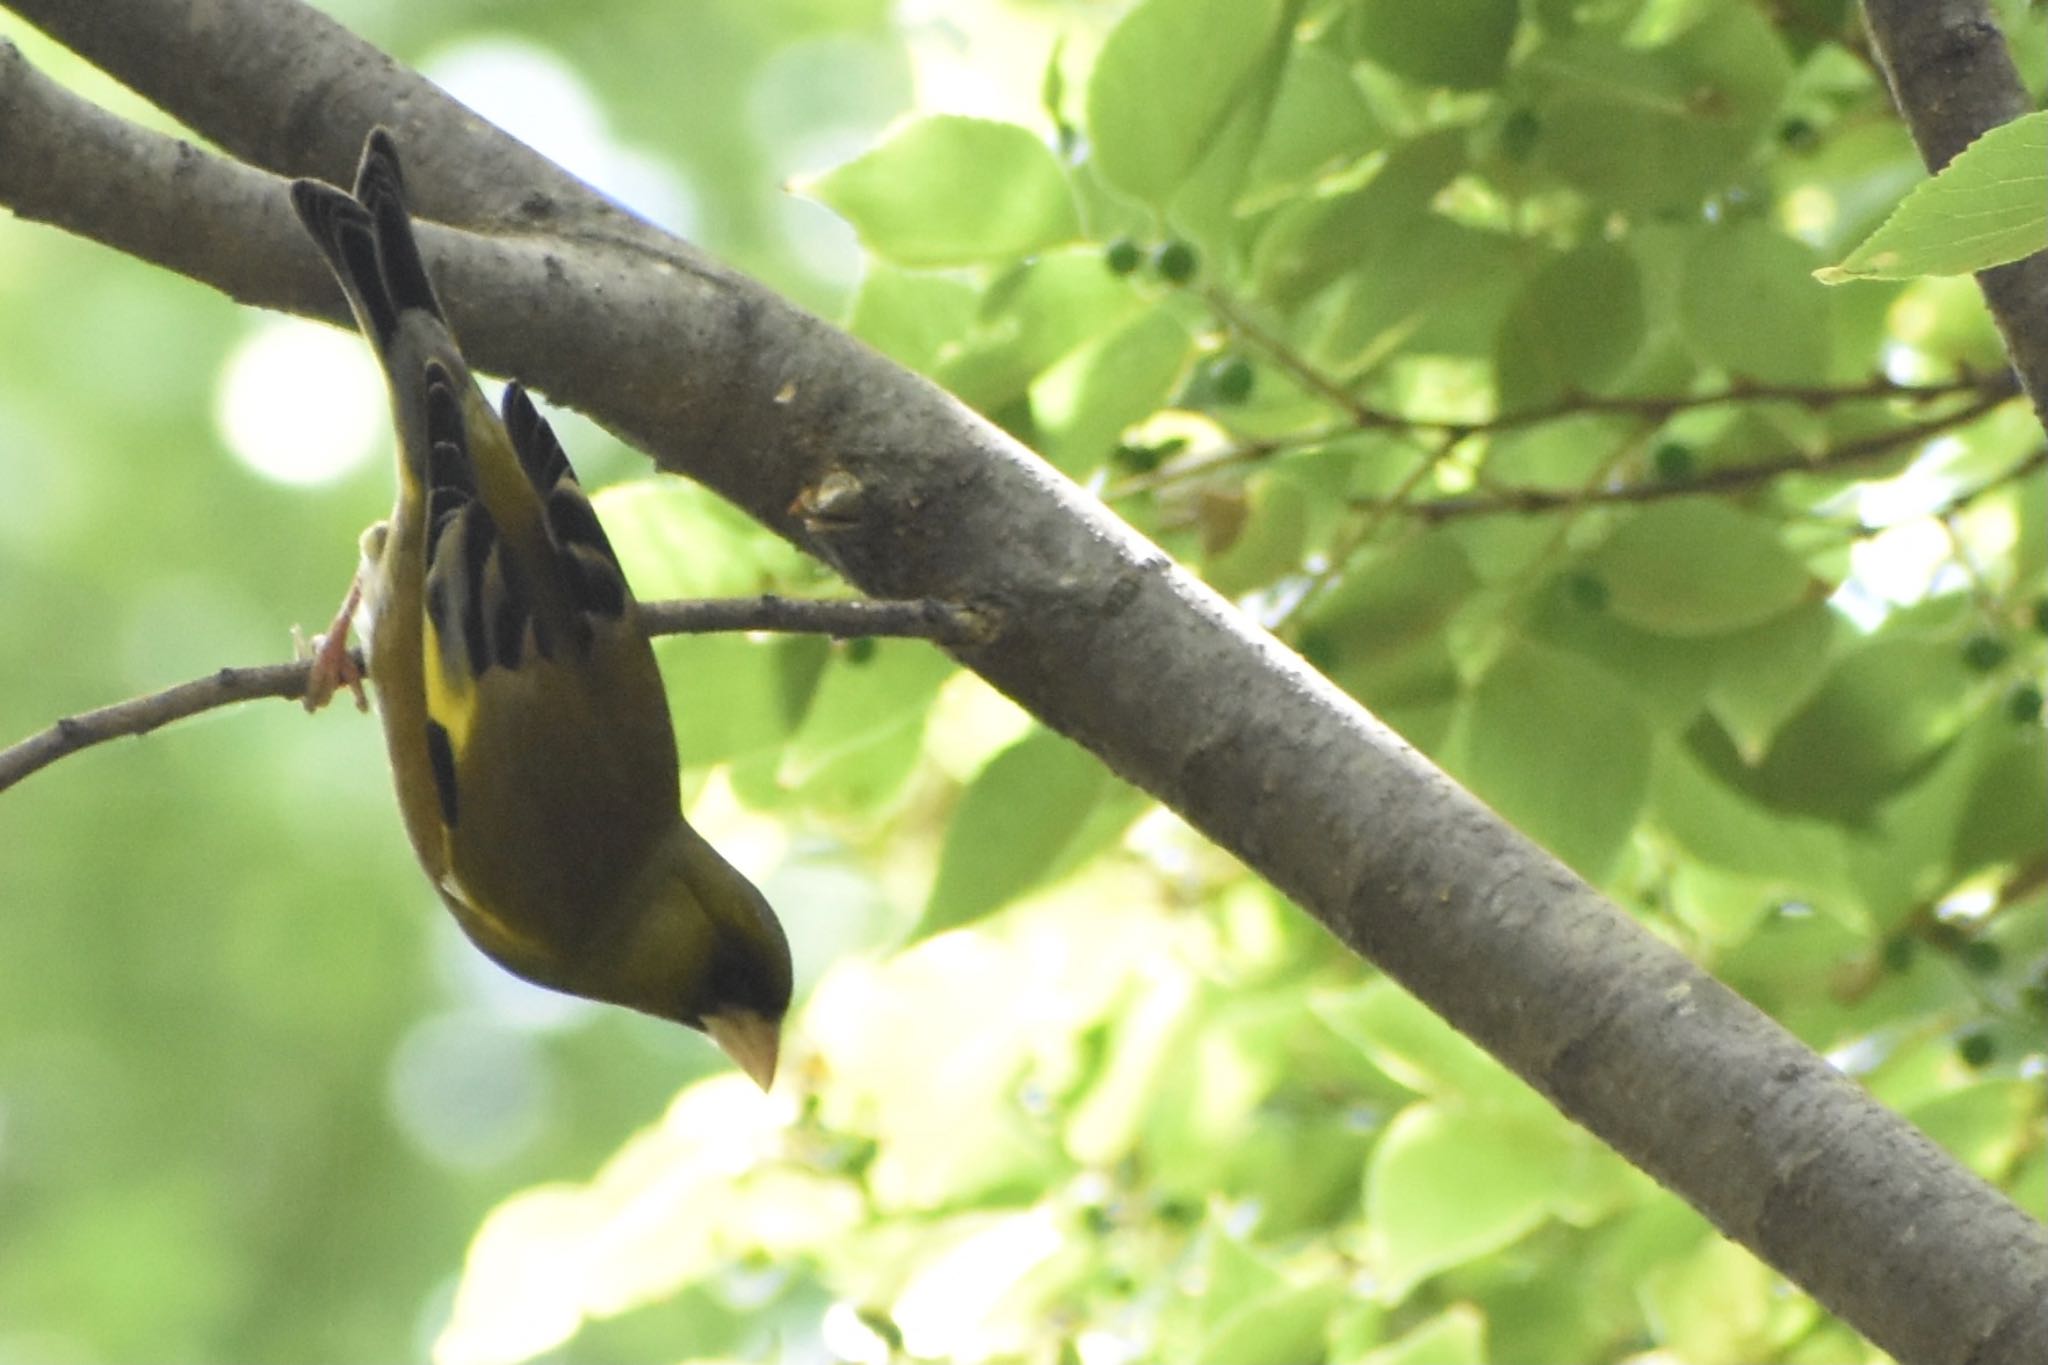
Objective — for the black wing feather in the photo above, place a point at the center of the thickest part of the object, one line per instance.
(343, 231)
(597, 585)
(540, 454)
(380, 188)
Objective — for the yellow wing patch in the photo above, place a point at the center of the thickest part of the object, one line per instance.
(451, 700)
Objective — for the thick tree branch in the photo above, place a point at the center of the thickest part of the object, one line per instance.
(1954, 81)
(934, 621)
(909, 494)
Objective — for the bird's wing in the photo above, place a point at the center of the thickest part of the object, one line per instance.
(521, 699)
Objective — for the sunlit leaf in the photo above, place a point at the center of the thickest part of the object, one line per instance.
(1695, 566)
(949, 190)
(1165, 82)
(1447, 1185)
(1013, 823)
(1986, 207)
(1560, 748)
(1459, 43)
(1750, 305)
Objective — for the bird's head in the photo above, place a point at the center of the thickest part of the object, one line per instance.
(703, 948)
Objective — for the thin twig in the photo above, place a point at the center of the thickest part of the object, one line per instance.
(2037, 460)
(1811, 396)
(1528, 501)
(1854, 528)
(140, 715)
(920, 619)
(1367, 525)
(939, 622)
(1656, 407)
(1363, 415)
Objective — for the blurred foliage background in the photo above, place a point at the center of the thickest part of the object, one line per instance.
(1472, 346)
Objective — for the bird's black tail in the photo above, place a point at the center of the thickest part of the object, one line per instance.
(368, 241)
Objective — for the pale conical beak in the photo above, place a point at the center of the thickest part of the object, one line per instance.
(749, 1040)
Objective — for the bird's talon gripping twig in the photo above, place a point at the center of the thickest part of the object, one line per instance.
(334, 665)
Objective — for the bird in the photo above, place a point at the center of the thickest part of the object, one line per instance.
(524, 713)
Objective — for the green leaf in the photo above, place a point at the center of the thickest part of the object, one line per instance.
(890, 1067)
(1456, 1336)
(1241, 1303)
(1204, 207)
(1697, 566)
(1402, 1037)
(1319, 119)
(1144, 1048)
(1380, 633)
(1462, 44)
(1269, 543)
(864, 728)
(1445, 1186)
(1748, 303)
(1764, 674)
(1732, 831)
(1574, 328)
(1012, 824)
(1668, 675)
(1986, 207)
(1883, 715)
(2001, 822)
(1310, 243)
(1168, 77)
(1081, 404)
(1982, 1124)
(1558, 456)
(1030, 317)
(1658, 128)
(908, 316)
(1717, 1303)
(677, 539)
(1280, 1327)
(1560, 749)
(951, 190)
(1438, 286)
(729, 695)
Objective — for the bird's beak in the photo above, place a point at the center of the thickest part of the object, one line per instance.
(750, 1040)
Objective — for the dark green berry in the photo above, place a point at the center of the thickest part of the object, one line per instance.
(860, 651)
(2034, 995)
(1587, 591)
(1674, 462)
(2023, 704)
(1135, 458)
(1976, 1048)
(1899, 951)
(1321, 650)
(879, 1322)
(1174, 261)
(1123, 256)
(1985, 652)
(1518, 135)
(1230, 379)
(1981, 955)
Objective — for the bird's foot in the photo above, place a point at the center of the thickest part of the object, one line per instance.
(334, 664)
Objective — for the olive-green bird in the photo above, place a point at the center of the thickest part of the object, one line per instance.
(528, 728)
